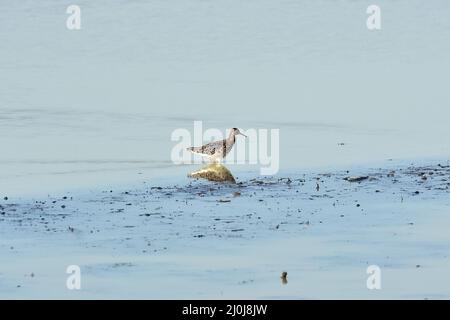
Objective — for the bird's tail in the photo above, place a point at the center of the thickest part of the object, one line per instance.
(194, 149)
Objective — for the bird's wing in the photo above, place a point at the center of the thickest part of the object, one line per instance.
(209, 148)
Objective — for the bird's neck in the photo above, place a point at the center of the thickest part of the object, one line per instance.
(231, 138)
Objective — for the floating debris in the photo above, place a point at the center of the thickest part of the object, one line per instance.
(284, 277)
(356, 178)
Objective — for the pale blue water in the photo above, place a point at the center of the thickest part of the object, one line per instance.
(99, 104)
(95, 108)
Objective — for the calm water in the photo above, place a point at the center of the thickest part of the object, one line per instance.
(85, 107)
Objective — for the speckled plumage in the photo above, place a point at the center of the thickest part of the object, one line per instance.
(217, 150)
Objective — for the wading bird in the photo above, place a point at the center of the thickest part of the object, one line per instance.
(217, 150)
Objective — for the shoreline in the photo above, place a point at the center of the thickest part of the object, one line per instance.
(135, 177)
(236, 237)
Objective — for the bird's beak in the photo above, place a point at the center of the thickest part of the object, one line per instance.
(242, 134)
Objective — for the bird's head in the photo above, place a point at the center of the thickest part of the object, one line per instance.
(235, 132)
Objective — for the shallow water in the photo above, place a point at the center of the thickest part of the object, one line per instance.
(214, 240)
(99, 104)
(69, 150)
(88, 115)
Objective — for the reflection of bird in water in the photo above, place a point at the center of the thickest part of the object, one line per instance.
(284, 277)
(217, 150)
(214, 172)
